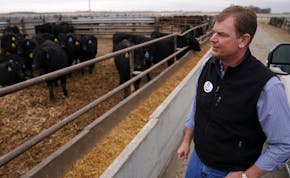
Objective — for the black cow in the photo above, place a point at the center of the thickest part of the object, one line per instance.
(88, 49)
(43, 28)
(11, 70)
(187, 40)
(62, 27)
(69, 43)
(164, 48)
(25, 49)
(54, 28)
(49, 57)
(11, 30)
(136, 39)
(198, 32)
(142, 57)
(9, 43)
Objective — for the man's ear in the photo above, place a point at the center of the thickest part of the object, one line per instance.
(244, 40)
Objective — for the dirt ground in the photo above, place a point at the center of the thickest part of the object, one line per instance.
(28, 112)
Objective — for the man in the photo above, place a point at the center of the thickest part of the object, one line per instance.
(239, 105)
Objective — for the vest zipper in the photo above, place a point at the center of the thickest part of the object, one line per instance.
(216, 99)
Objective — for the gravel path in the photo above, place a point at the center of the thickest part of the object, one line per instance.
(266, 37)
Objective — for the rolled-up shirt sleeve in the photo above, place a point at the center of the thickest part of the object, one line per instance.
(274, 116)
(189, 121)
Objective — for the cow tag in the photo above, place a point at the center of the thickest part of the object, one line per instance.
(13, 45)
(9, 68)
(126, 55)
(90, 42)
(27, 43)
(13, 38)
(147, 55)
(77, 43)
(69, 39)
(55, 40)
(30, 55)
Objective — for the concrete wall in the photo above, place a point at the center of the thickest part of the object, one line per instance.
(149, 152)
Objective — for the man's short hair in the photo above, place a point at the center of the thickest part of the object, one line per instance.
(245, 19)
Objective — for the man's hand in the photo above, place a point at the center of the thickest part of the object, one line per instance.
(184, 148)
(183, 151)
(252, 172)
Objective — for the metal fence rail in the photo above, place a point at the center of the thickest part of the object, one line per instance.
(99, 25)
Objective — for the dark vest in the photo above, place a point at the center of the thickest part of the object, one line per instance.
(227, 133)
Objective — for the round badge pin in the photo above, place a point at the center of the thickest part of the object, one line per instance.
(208, 86)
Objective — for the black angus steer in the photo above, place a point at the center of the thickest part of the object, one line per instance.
(88, 49)
(11, 30)
(142, 61)
(54, 28)
(164, 48)
(49, 57)
(187, 40)
(25, 49)
(9, 43)
(11, 69)
(68, 42)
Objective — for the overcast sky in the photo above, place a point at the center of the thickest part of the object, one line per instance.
(277, 6)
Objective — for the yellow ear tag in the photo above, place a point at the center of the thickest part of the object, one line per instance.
(13, 38)
(30, 55)
(9, 69)
(126, 55)
(77, 43)
(13, 45)
(55, 40)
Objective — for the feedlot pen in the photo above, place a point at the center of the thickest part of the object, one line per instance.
(28, 112)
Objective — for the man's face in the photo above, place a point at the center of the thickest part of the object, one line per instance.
(225, 43)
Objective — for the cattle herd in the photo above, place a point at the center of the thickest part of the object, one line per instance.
(56, 46)
(144, 57)
(53, 47)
